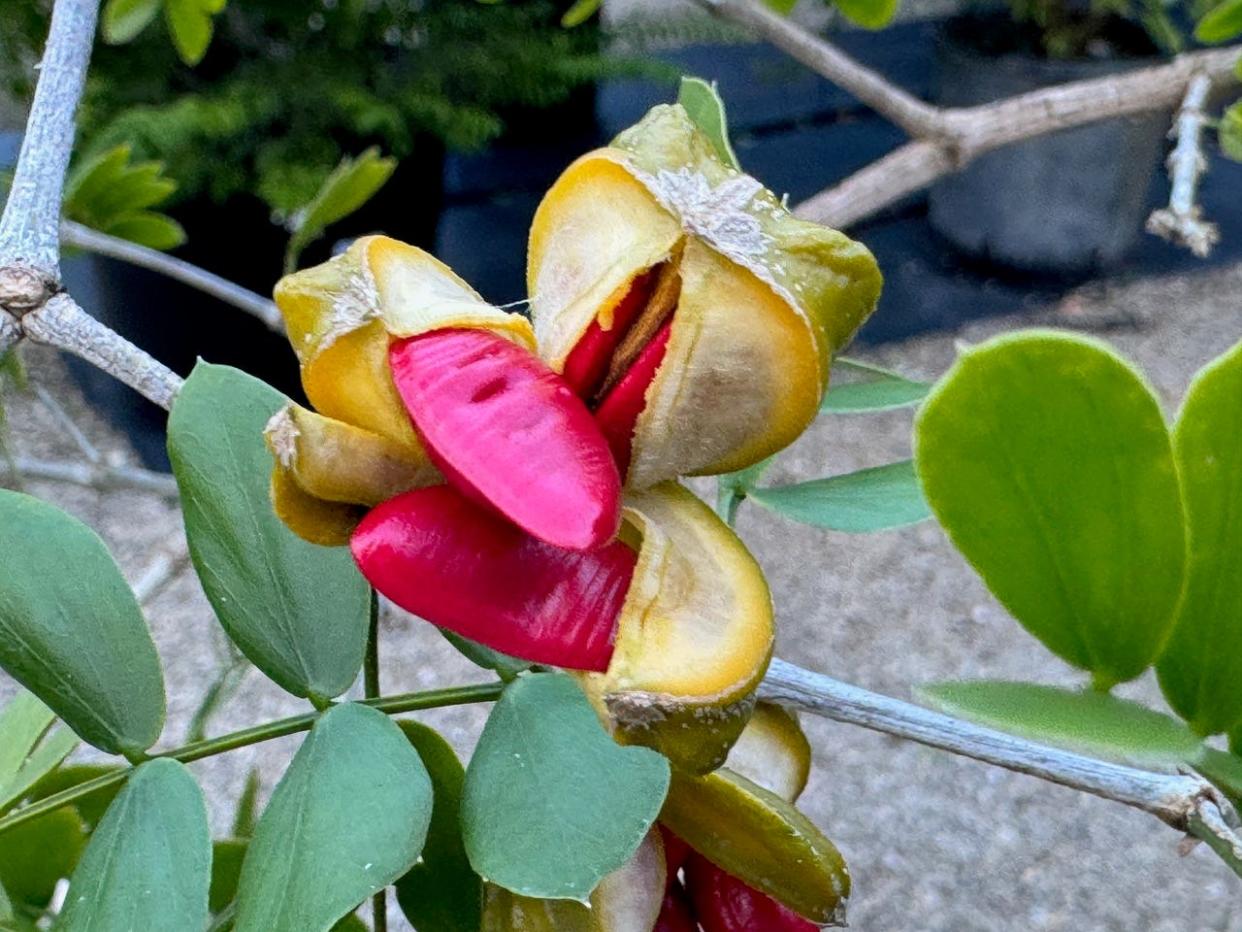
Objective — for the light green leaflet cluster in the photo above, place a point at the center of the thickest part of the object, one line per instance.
(1113, 538)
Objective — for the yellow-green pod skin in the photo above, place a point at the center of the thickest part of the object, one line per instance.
(761, 839)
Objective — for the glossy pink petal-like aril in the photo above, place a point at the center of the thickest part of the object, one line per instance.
(675, 914)
(618, 413)
(723, 903)
(587, 363)
(461, 567)
(507, 430)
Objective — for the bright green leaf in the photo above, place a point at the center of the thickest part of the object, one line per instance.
(46, 757)
(37, 854)
(122, 20)
(551, 802)
(347, 819)
(861, 502)
(109, 194)
(870, 14)
(352, 183)
(1087, 721)
(190, 26)
(1222, 23)
(148, 864)
(706, 110)
(297, 611)
(23, 722)
(1229, 132)
(784, 7)
(71, 630)
(441, 893)
(576, 15)
(1201, 668)
(1046, 458)
(147, 228)
(870, 388)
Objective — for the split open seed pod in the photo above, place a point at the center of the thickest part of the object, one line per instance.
(627, 900)
(694, 635)
(654, 253)
(341, 317)
(742, 819)
(761, 839)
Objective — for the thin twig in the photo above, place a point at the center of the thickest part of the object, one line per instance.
(1186, 802)
(60, 322)
(29, 228)
(83, 237)
(947, 139)
(1182, 221)
(100, 476)
(160, 572)
(67, 424)
(877, 92)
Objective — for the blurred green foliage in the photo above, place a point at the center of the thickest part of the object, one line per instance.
(285, 89)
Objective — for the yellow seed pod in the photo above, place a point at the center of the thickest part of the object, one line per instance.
(694, 636)
(763, 301)
(627, 900)
(773, 752)
(761, 839)
(358, 447)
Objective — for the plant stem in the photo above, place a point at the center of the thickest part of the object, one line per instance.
(371, 686)
(389, 705)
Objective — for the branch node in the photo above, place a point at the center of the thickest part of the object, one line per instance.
(23, 288)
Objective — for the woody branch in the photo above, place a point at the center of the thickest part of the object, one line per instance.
(33, 305)
(945, 140)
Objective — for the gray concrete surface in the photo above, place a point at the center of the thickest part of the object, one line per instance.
(934, 842)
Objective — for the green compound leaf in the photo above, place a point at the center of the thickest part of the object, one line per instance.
(122, 20)
(870, 14)
(1046, 458)
(706, 110)
(148, 864)
(190, 26)
(110, 194)
(298, 612)
(870, 388)
(352, 183)
(875, 499)
(29, 748)
(1087, 721)
(1230, 131)
(71, 630)
(441, 893)
(347, 819)
(576, 15)
(1222, 23)
(1201, 668)
(551, 802)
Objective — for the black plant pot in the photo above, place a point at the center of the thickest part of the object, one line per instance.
(1069, 203)
(178, 324)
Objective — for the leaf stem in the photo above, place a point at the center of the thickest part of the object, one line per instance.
(389, 705)
(371, 686)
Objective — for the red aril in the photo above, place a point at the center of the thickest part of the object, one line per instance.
(459, 566)
(588, 361)
(617, 415)
(506, 430)
(675, 853)
(723, 903)
(675, 914)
